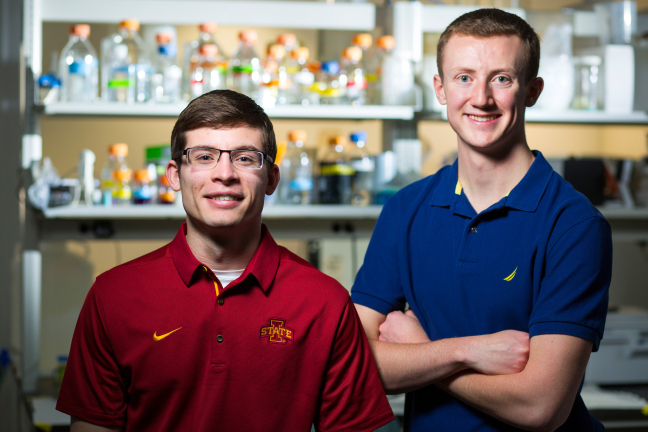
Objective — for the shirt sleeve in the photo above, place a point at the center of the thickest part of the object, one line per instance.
(93, 389)
(378, 283)
(573, 296)
(353, 398)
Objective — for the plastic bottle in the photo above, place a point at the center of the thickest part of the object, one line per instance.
(356, 84)
(334, 183)
(364, 166)
(296, 185)
(397, 83)
(384, 47)
(275, 83)
(192, 53)
(126, 67)
(167, 77)
(301, 77)
(166, 195)
(115, 176)
(49, 84)
(364, 42)
(79, 67)
(245, 66)
(142, 190)
(331, 89)
(209, 72)
(289, 42)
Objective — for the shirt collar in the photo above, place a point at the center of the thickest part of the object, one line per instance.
(263, 265)
(524, 196)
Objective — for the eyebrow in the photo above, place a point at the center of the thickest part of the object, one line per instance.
(242, 147)
(496, 71)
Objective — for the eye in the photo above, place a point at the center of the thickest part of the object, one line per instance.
(464, 78)
(202, 156)
(502, 79)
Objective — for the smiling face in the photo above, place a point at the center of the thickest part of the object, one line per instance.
(223, 196)
(485, 90)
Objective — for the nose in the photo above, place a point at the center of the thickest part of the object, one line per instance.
(224, 170)
(482, 95)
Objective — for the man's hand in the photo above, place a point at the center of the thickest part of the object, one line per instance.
(402, 327)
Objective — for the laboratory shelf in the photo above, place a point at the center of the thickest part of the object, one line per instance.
(281, 111)
(280, 14)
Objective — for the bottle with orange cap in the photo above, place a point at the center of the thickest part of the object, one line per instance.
(353, 73)
(301, 78)
(364, 42)
(116, 176)
(296, 185)
(289, 42)
(79, 67)
(275, 83)
(206, 36)
(126, 67)
(335, 174)
(167, 75)
(384, 47)
(209, 72)
(245, 66)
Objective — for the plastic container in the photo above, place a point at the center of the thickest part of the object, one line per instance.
(49, 84)
(289, 42)
(167, 77)
(296, 185)
(245, 66)
(364, 42)
(209, 72)
(79, 67)
(165, 195)
(126, 67)
(301, 78)
(397, 83)
(115, 176)
(330, 88)
(588, 83)
(142, 190)
(352, 70)
(364, 166)
(384, 47)
(335, 174)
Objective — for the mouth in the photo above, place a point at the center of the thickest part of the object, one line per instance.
(482, 119)
(225, 198)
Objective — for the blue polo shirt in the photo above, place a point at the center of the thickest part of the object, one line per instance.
(538, 261)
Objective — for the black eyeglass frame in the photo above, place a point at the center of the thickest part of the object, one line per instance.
(186, 151)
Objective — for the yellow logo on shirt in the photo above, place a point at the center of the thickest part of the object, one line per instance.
(510, 277)
(276, 332)
(159, 338)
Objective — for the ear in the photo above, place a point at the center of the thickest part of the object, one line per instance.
(173, 175)
(273, 179)
(533, 93)
(439, 90)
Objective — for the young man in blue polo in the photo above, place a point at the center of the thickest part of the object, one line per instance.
(221, 329)
(505, 267)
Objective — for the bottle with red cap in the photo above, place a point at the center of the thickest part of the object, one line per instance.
(206, 36)
(384, 47)
(209, 72)
(167, 75)
(126, 67)
(353, 73)
(245, 66)
(79, 67)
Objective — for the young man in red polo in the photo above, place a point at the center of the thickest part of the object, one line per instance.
(221, 329)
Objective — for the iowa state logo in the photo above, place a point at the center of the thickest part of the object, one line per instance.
(277, 332)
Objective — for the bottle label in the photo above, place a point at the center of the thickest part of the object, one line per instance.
(78, 68)
(119, 83)
(301, 184)
(244, 69)
(336, 169)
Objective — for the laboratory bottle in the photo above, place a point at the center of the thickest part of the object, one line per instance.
(166, 195)
(296, 185)
(384, 47)
(330, 87)
(49, 84)
(126, 67)
(142, 190)
(335, 174)
(167, 75)
(301, 78)
(79, 67)
(364, 42)
(276, 74)
(209, 72)
(352, 72)
(289, 41)
(115, 176)
(206, 36)
(363, 165)
(245, 66)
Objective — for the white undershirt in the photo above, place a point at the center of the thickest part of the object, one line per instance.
(227, 276)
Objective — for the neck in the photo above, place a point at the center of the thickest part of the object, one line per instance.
(487, 178)
(224, 248)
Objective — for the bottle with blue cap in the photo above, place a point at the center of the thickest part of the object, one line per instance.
(79, 67)
(363, 164)
(330, 87)
(167, 76)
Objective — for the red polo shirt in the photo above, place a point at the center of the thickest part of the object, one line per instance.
(160, 345)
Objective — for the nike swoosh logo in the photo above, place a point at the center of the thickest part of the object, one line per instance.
(159, 338)
(510, 277)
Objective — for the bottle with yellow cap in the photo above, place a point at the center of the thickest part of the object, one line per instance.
(296, 184)
(206, 36)
(384, 47)
(116, 176)
(209, 72)
(79, 67)
(245, 66)
(335, 174)
(167, 75)
(353, 73)
(126, 66)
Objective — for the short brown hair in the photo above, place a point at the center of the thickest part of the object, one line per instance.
(223, 109)
(488, 22)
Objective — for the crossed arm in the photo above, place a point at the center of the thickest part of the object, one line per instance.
(527, 384)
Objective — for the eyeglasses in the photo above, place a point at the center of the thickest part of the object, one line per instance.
(207, 157)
